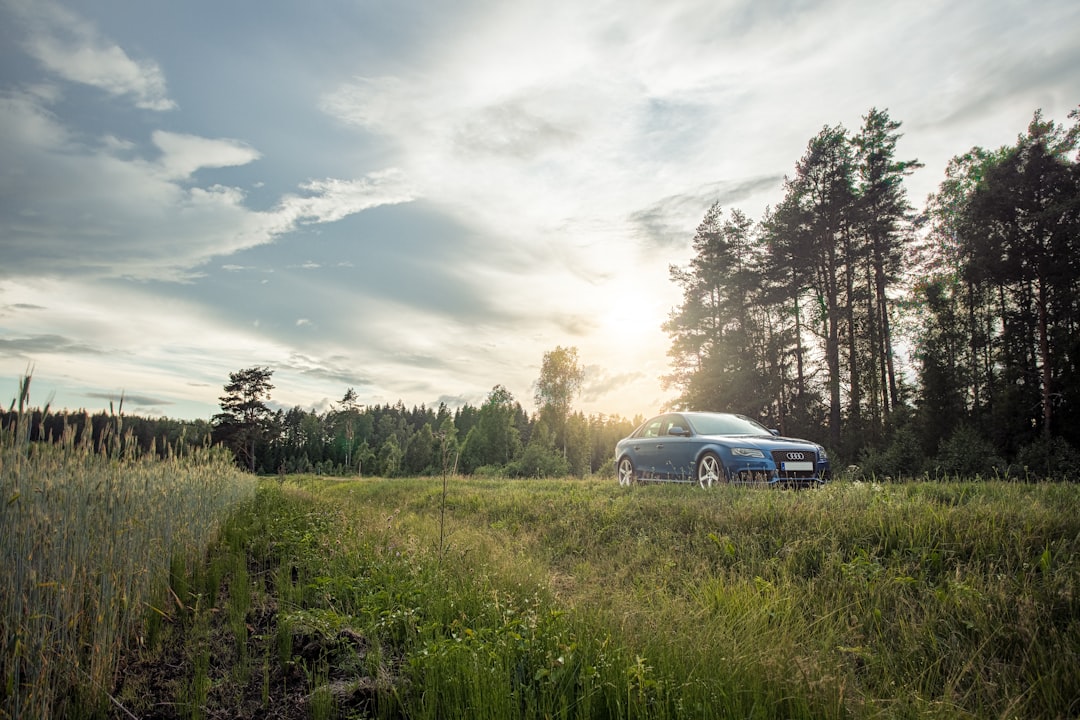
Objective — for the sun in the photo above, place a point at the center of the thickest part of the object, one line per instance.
(629, 311)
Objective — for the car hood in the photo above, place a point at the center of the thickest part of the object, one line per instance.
(762, 442)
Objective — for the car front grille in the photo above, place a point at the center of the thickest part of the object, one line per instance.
(785, 459)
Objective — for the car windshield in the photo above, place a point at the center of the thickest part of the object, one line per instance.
(726, 425)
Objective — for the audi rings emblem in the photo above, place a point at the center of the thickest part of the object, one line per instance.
(796, 456)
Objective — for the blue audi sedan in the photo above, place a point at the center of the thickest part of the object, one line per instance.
(710, 448)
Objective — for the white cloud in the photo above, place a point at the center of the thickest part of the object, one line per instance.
(332, 199)
(366, 102)
(134, 217)
(71, 47)
(30, 122)
(183, 154)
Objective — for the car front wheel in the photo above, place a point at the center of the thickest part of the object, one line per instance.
(709, 470)
(626, 472)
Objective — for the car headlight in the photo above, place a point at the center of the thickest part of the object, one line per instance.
(747, 452)
(822, 455)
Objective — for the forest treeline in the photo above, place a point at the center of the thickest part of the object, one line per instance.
(911, 342)
(498, 438)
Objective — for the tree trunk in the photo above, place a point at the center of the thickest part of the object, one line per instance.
(855, 392)
(1044, 353)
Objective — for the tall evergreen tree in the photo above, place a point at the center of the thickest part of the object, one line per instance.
(940, 351)
(713, 336)
(823, 192)
(1022, 224)
(787, 289)
(882, 214)
(244, 412)
(344, 418)
(945, 258)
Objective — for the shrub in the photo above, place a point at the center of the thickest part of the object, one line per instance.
(607, 469)
(1053, 459)
(969, 454)
(540, 462)
(903, 458)
(490, 471)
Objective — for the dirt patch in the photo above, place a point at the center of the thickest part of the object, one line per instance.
(277, 669)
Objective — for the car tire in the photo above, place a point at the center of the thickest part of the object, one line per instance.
(710, 471)
(626, 472)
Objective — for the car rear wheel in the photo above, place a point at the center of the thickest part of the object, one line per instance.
(626, 472)
(710, 471)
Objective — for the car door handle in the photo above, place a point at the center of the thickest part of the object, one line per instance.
(660, 446)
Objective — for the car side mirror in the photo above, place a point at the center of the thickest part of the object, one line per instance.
(677, 430)
(774, 431)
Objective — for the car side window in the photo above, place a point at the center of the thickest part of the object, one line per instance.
(652, 429)
(676, 423)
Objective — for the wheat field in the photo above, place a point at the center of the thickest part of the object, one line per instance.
(90, 537)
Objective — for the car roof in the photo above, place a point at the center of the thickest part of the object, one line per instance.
(693, 414)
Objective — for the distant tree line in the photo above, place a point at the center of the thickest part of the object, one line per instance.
(797, 319)
(109, 431)
(497, 438)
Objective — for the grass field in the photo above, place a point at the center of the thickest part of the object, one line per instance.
(580, 599)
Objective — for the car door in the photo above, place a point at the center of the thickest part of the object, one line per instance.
(676, 449)
(645, 447)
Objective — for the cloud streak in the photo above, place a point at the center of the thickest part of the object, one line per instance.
(129, 400)
(71, 48)
(23, 348)
(183, 154)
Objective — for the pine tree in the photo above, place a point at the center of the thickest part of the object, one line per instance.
(244, 413)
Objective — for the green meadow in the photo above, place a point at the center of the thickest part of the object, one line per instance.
(179, 589)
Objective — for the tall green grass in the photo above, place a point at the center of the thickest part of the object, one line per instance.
(89, 536)
(545, 599)
(582, 599)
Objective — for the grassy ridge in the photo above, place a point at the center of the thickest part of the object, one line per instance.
(859, 599)
(580, 599)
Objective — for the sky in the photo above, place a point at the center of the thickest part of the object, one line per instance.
(418, 199)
